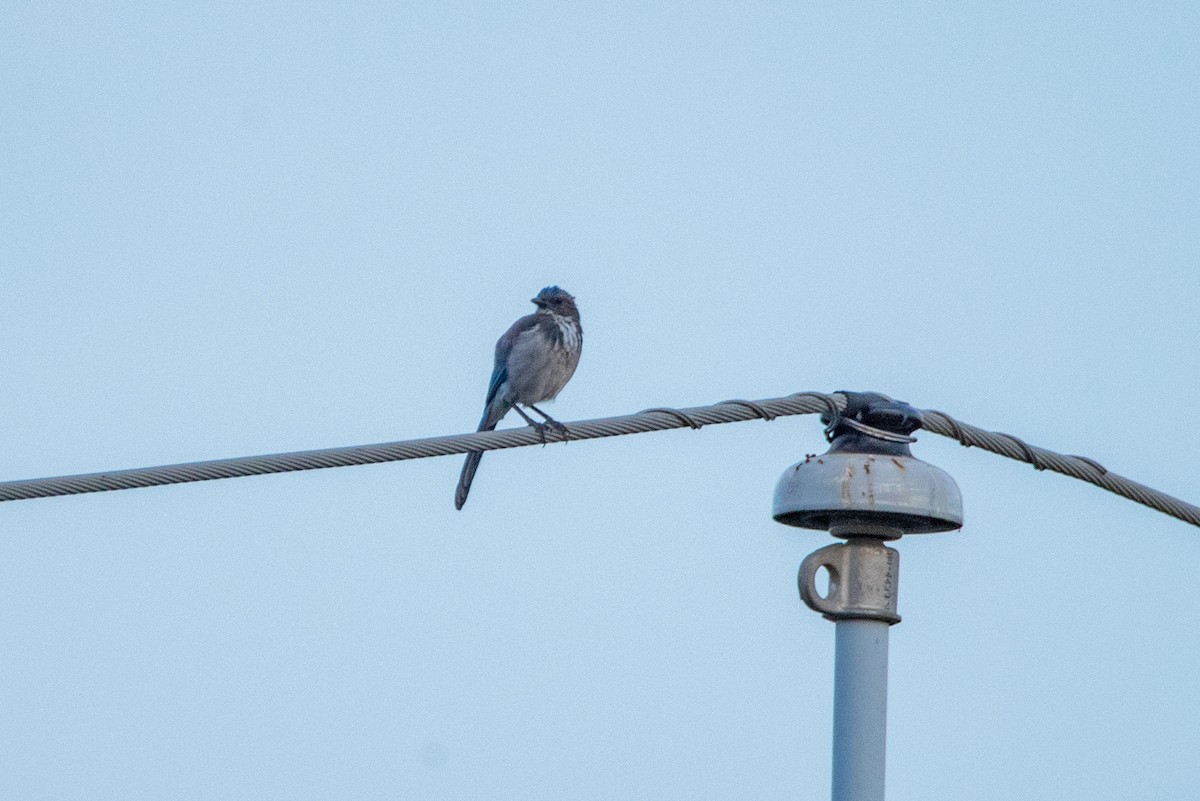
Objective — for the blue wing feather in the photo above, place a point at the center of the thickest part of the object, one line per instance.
(499, 376)
(504, 346)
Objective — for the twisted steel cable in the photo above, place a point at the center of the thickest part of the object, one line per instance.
(659, 419)
(648, 420)
(1079, 467)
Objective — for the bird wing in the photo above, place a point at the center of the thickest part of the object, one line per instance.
(504, 347)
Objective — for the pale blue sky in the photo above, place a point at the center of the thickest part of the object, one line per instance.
(243, 228)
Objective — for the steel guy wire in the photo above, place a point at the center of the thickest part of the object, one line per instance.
(657, 419)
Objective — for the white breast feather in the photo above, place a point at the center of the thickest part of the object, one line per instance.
(570, 334)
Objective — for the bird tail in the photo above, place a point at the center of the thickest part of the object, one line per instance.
(492, 415)
(466, 477)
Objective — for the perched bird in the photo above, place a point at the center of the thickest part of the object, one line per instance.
(535, 359)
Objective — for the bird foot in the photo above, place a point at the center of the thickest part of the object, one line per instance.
(550, 423)
(541, 429)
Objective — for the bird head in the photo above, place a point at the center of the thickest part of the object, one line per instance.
(553, 300)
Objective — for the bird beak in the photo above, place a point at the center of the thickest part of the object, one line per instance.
(541, 304)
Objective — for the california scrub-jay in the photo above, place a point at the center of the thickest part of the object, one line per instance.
(534, 360)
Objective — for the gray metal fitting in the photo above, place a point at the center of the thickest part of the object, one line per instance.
(864, 577)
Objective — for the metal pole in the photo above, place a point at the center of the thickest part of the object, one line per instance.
(860, 710)
(864, 576)
(867, 488)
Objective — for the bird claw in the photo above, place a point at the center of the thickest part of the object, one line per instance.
(541, 429)
(563, 431)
